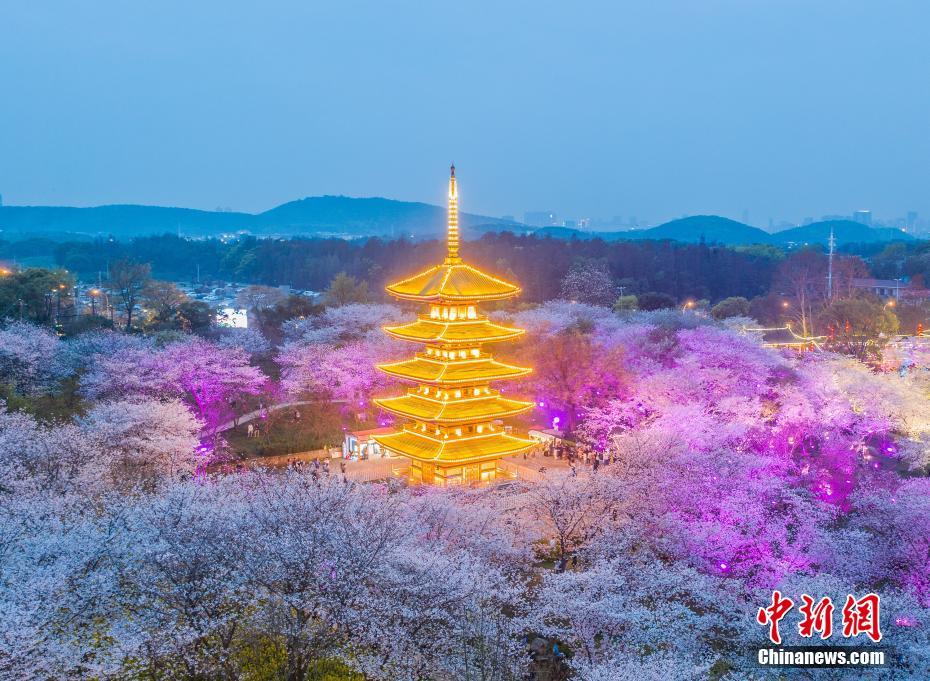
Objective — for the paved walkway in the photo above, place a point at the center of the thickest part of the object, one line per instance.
(379, 468)
(361, 471)
(252, 415)
(540, 461)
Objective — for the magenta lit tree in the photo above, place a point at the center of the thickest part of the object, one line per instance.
(209, 377)
(343, 372)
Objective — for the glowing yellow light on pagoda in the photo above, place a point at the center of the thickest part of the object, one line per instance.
(452, 238)
(461, 444)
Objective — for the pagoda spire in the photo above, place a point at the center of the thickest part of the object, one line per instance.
(452, 237)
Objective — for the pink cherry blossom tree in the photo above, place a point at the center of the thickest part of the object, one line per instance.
(32, 360)
(340, 372)
(209, 377)
(142, 440)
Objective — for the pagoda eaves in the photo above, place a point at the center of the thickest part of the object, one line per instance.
(468, 330)
(418, 406)
(453, 282)
(453, 372)
(475, 449)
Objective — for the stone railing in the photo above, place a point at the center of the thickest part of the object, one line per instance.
(376, 469)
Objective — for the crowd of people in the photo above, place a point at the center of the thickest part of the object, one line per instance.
(316, 467)
(574, 453)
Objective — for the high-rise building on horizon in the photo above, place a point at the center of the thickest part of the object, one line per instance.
(863, 217)
(540, 218)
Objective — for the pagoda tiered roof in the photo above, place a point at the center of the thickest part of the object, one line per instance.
(453, 281)
(459, 371)
(451, 433)
(427, 408)
(469, 449)
(480, 330)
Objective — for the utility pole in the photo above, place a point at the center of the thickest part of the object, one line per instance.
(832, 244)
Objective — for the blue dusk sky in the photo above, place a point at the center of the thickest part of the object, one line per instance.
(768, 108)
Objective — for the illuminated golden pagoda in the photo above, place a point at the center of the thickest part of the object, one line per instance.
(453, 433)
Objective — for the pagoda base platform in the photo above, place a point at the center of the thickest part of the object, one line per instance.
(450, 474)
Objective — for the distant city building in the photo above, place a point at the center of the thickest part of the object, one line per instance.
(884, 288)
(232, 318)
(1, 201)
(569, 223)
(863, 217)
(540, 218)
(584, 223)
(909, 223)
(912, 291)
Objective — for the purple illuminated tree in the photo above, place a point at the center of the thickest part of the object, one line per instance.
(572, 371)
(209, 377)
(130, 371)
(344, 372)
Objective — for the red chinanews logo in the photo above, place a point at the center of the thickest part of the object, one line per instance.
(860, 616)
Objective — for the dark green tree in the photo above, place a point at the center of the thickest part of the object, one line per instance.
(734, 306)
(652, 300)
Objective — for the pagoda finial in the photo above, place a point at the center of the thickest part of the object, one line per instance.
(452, 237)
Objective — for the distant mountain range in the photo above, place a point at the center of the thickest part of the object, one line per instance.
(341, 216)
(716, 229)
(338, 216)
